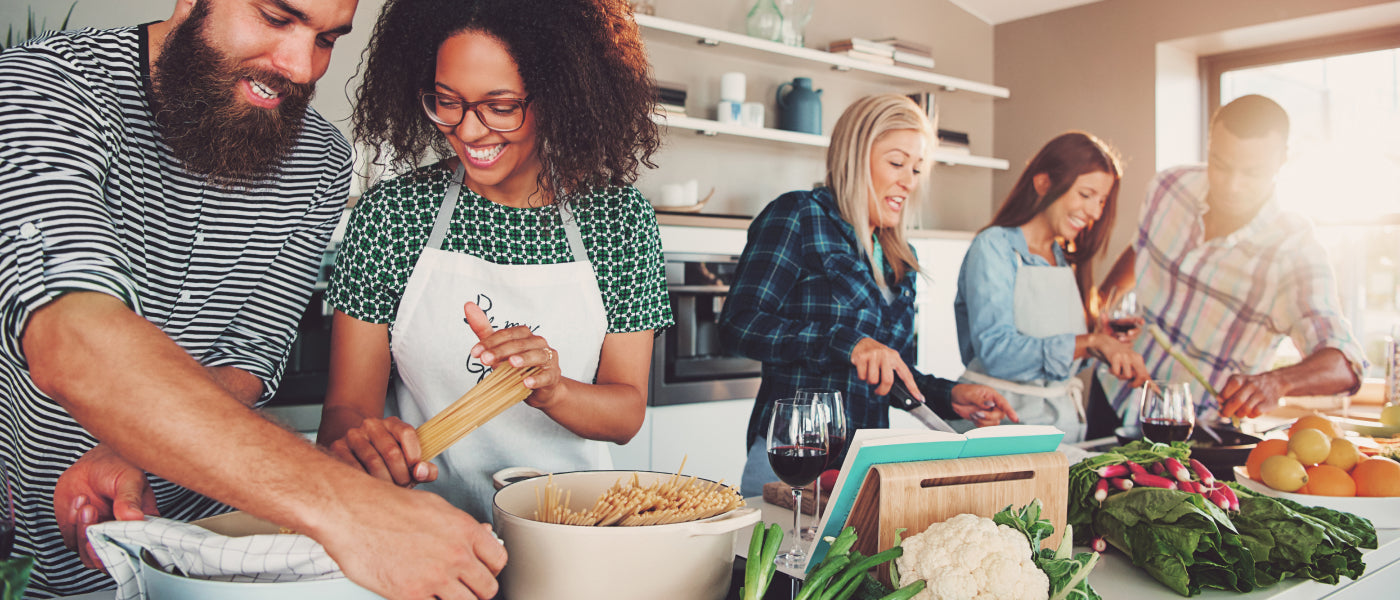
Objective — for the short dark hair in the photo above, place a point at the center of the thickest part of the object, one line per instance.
(582, 63)
(1252, 116)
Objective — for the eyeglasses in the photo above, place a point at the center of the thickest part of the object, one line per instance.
(499, 114)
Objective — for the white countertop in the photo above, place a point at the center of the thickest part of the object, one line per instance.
(1116, 578)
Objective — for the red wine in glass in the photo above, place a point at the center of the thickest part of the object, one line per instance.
(797, 465)
(1166, 430)
(836, 445)
(1122, 326)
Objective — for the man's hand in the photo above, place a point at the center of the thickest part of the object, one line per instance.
(878, 365)
(1251, 395)
(436, 549)
(982, 405)
(101, 486)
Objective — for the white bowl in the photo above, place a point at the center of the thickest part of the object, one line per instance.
(681, 561)
(160, 585)
(1384, 513)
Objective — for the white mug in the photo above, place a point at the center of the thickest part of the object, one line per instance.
(728, 112)
(672, 194)
(751, 114)
(731, 87)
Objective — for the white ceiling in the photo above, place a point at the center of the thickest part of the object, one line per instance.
(995, 12)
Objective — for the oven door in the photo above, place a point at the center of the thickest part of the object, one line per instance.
(688, 362)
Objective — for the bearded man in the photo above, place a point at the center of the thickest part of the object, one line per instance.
(165, 198)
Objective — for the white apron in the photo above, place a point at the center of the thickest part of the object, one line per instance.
(1047, 303)
(431, 346)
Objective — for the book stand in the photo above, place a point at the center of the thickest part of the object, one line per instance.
(913, 495)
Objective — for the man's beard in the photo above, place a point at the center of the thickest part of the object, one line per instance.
(211, 130)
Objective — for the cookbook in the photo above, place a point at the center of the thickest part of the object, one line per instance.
(870, 447)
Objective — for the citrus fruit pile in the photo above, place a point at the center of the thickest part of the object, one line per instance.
(1318, 459)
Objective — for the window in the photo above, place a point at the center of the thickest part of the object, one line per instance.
(1343, 100)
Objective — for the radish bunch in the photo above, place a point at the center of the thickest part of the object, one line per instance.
(1168, 474)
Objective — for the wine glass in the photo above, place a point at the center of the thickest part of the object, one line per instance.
(1168, 412)
(797, 450)
(1124, 313)
(833, 412)
(7, 513)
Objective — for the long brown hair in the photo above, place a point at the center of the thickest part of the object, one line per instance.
(1063, 160)
(848, 173)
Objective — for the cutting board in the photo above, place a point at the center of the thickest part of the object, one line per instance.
(914, 495)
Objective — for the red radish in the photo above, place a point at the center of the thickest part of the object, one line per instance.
(1098, 544)
(1202, 473)
(1122, 483)
(1156, 481)
(1219, 498)
(1136, 468)
(1113, 471)
(1101, 490)
(1157, 469)
(1231, 496)
(1176, 469)
(1189, 486)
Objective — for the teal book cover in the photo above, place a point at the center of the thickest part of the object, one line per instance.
(870, 447)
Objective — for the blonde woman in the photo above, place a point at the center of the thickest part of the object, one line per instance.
(806, 300)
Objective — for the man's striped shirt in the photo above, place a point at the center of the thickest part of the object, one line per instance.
(91, 199)
(1227, 302)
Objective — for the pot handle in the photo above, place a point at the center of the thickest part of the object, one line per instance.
(736, 519)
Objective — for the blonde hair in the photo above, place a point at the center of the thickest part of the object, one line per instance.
(848, 173)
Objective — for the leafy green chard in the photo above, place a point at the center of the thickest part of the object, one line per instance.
(14, 575)
(1188, 543)
(1068, 572)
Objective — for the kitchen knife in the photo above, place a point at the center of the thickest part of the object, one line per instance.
(901, 398)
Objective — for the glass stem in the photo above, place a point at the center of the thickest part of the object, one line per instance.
(796, 521)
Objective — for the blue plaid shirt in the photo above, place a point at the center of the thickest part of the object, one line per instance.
(803, 296)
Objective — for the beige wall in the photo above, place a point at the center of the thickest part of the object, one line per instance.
(746, 173)
(1095, 68)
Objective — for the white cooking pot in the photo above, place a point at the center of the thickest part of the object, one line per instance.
(681, 561)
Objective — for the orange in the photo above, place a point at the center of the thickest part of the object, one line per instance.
(1318, 422)
(1263, 450)
(1377, 477)
(1327, 480)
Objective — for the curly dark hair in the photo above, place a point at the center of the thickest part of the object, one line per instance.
(582, 63)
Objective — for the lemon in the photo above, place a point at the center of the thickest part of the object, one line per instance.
(1309, 446)
(1390, 415)
(1284, 473)
(1344, 454)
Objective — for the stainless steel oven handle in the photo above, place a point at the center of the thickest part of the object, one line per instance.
(698, 289)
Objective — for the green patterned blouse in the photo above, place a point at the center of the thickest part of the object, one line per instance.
(392, 221)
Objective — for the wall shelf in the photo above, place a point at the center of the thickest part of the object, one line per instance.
(676, 32)
(708, 127)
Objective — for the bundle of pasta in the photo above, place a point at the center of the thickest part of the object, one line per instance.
(499, 390)
(629, 504)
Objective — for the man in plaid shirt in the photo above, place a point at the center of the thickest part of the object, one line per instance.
(1227, 273)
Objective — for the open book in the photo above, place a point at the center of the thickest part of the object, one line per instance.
(869, 447)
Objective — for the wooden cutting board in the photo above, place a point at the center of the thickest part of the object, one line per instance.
(916, 494)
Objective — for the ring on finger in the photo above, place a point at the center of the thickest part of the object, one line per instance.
(550, 356)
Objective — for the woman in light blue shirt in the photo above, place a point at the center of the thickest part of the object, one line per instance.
(1021, 315)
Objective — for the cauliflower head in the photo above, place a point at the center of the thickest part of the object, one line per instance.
(969, 557)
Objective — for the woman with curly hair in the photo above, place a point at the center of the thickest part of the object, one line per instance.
(540, 111)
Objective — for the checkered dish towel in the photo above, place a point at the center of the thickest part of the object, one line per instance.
(196, 552)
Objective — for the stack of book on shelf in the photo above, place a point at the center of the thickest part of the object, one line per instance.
(953, 142)
(670, 97)
(862, 49)
(909, 54)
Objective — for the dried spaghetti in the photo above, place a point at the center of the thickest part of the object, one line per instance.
(629, 504)
(499, 390)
